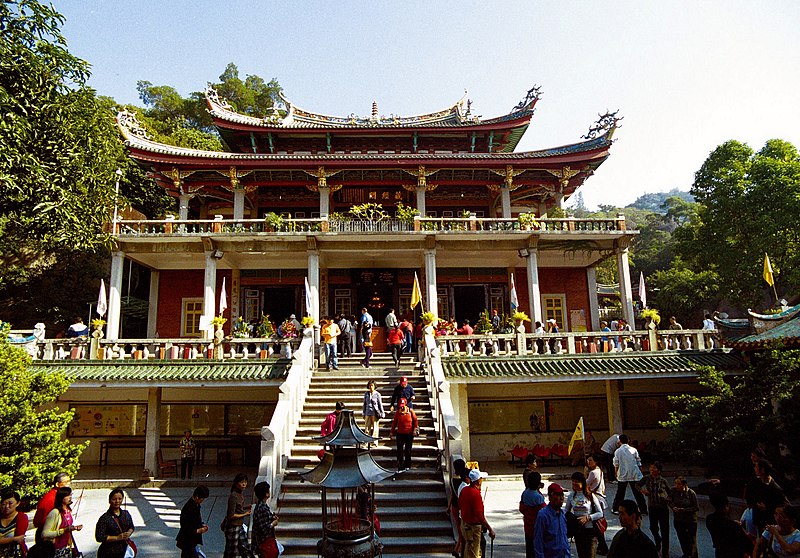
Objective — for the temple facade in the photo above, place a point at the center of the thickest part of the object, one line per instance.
(277, 209)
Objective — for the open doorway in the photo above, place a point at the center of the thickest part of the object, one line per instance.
(469, 302)
(280, 303)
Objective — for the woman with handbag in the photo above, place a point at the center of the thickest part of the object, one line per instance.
(58, 526)
(265, 545)
(587, 511)
(596, 483)
(405, 426)
(235, 535)
(12, 526)
(114, 529)
(782, 539)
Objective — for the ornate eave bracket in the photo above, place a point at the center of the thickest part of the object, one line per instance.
(508, 175)
(235, 176)
(422, 175)
(564, 175)
(322, 179)
(177, 176)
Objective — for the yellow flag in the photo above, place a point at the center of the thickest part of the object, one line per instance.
(768, 271)
(416, 293)
(577, 436)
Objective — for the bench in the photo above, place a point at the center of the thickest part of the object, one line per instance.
(118, 443)
(203, 444)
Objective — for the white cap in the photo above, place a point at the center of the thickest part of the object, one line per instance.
(551, 321)
(292, 317)
(474, 475)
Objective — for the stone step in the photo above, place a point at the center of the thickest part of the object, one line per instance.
(413, 545)
(420, 481)
(390, 529)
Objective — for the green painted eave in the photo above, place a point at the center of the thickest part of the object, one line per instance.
(589, 366)
(169, 371)
(514, 138)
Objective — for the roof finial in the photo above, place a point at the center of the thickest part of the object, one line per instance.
(374, 109)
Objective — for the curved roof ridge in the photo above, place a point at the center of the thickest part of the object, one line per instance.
(136, 136)
(454, 115)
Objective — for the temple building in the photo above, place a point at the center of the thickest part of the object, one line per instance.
(277, 209)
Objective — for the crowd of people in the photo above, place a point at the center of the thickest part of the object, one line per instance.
(768, 526)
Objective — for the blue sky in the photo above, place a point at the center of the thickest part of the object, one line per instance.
(685, 75)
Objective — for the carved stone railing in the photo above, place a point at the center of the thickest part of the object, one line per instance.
(82, 348)
(571, 343)
(448, 429)
(277, 437)
(194, 227)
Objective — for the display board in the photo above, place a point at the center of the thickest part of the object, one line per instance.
(493, 417)
(108, 420)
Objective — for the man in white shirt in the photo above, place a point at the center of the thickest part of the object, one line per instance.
(628, 468)
(391, 320)
(607, 453)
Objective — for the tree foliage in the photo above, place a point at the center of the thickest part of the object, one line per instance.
(736, 413)
(185, 122)
(32, 448)
(748, 206)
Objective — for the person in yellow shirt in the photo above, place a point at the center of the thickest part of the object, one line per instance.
(330, 333)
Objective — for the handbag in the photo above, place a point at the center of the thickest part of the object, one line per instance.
(600, 525)
(131, 551)
(572, 524)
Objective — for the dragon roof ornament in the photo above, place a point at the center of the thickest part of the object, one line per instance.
(130, 125)
(605, 125)
(533, 95)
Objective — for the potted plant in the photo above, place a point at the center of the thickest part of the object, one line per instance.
(528, 221)
(406, 213)
(651, 317)
(307, 321)
(273, 222)
(218, 321)
(98, 323)
(241, 329)
(519, 319)
(428, 317)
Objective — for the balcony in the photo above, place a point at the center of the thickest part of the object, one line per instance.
(324, 225)
(606, 344)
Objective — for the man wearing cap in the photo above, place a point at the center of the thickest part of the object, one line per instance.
(550, 536)
(402, 390)
(297, 324)
(473, 519)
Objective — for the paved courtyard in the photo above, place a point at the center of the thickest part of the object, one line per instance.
(156, 513)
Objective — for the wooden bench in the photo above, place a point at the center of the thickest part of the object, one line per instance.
(203, 444)
(117, 443)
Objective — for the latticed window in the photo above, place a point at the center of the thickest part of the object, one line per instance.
(192, 310)
(497, 301)
(342, 303)
(554, 308)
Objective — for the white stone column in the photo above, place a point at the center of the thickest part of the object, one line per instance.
(324, 201)
(625, 291)
(421, 200)
(183, 206)
(505, 197)
(594, 305)
(614, 407)
(152, 307)
(313, 282)
(534, 293)
(152, 437)
(430, 280)
(238, 204)
(115, 295)
(209, 291)
(460, 399)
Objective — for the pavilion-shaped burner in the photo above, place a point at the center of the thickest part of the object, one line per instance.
(346, 468)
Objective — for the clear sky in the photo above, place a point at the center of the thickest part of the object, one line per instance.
(686, 75)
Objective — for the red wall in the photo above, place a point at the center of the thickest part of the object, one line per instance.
(173, 287)
(568, 281)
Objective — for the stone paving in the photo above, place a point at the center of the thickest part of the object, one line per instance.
(156, 512)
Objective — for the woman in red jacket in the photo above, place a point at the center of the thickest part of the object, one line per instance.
(405, 426)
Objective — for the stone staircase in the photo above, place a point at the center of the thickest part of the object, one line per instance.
(411, 506)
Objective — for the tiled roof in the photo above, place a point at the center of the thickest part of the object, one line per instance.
(453, 116)
(785, 335)
(134, 139)
(601, 367)
(169, 371)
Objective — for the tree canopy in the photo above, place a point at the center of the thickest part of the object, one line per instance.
(33, 448)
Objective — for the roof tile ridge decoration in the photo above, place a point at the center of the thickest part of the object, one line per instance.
(296, 117)
(136, 136)
(605, 126)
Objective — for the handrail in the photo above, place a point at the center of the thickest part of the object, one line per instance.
(191, 227)
(448, 429)
(278, 435)
(83, 348)
(488, 344)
